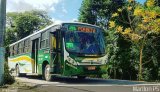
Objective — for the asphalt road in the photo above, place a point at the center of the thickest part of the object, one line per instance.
(88, 85)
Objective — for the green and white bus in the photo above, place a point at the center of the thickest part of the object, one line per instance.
(65, 49)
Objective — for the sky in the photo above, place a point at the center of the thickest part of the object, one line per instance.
(58, 10)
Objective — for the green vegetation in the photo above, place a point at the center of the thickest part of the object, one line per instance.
(20, 25)
(132, 41)
(8, 79)
(142, 21)
(98, 11)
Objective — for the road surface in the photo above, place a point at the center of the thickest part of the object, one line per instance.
(88, 85)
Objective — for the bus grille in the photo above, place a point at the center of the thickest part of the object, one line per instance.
(89, 63)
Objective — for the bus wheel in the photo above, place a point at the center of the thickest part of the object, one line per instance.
(81, 77)
(47, 74)
(17, 71)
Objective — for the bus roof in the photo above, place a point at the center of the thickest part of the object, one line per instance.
(80, 23)
(55, 24)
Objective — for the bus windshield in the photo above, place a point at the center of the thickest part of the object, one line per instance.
(84, 42)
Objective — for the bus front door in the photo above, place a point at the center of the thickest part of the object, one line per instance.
(35, 55)
(55, 54)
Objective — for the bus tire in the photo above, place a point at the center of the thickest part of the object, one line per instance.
(81, 77)
(47, 75)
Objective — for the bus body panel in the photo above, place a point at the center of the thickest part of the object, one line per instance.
(43, 55)
(24, 62)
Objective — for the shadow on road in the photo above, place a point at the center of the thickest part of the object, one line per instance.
(90, 81)
(96, 81)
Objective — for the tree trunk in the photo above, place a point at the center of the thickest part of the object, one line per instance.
(114, 72)
(140, 62)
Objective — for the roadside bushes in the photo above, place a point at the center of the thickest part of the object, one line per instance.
(8, 79)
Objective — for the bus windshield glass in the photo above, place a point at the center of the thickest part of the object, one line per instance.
(82, 42)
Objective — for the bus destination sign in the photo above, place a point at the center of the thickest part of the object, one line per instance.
(81, 28)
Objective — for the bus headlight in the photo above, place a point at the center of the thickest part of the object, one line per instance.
(72, 61)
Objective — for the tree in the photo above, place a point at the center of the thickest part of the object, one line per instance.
(157, 2)
(87, 12)
(142, 21)
(23, 24)
(98, 11)
(26, 24)
(45, 20)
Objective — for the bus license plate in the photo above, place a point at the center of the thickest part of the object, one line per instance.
(92, 68)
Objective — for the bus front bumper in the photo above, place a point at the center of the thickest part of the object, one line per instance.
(84, 70)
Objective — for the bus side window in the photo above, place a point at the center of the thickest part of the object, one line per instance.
(29, 41)
(14, 48)
(53, 41)
(9, 54)
(47, 38)
(18, 49)
(22, 48)
(26, 45)
(43, 39)
(11, 51)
